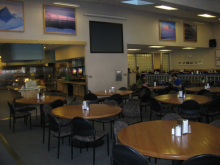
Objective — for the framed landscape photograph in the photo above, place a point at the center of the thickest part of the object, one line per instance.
(189, 32)
(59, 19)
(11, 16)
(167, 30)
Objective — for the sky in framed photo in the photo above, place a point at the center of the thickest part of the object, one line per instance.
(11, 16)
(190, 32)
(167, 30)
(59, 19)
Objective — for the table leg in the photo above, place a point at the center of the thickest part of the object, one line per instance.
(39, 123)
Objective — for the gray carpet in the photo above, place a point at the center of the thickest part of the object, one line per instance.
(28, 145)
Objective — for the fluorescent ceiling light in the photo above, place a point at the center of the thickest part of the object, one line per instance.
(166, 7)
(165, 50)
(0, 57)
(133, 49)
(137, 2)
(66, 4)
(105, 16)
(156, 46)
(188, 48)
(206, 15)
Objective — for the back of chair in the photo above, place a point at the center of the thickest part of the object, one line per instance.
(131, 109)
(134, 87)
(155, 105)
(90, 96)
(125, 155)
(82, 127)
(143, 90)
(56, 103)
(145, 97)
(118, 126)
(190, 107)
(171, 116)
(110, 102)
(17, 104)
(123, 88)
(12, 110)
(117, 97)
(216, 123)
(206, 159)
(214, 105)
(54, 123)
(203, 91)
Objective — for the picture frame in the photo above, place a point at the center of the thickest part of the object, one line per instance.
(59, 19)
(167, 30)
(12, 16)
(189, 32)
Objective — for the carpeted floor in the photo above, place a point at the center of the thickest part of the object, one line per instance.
(27, 144)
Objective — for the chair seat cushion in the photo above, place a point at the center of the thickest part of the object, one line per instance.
(26, 109)
(190, 116)
(107, 119)
(22, 114)
(130, 120)
(99, 134)
(158, 113)
(65, 131)
(65, 122)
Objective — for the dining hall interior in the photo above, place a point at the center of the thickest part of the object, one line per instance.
(89, 75)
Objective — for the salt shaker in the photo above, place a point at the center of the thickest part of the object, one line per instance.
(173, 131)
(178, 130)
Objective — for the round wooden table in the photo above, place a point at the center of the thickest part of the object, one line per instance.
(197, 89)
(121, 92)
(154, 139)
(41, 102)
(173, 99)
(96, 111)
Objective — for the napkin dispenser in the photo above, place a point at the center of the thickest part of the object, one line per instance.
(113, 89)
(85, 105)
(180, 93)
(184, 125)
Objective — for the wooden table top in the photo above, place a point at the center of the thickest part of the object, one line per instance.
(157, 87)
(34, 100)
(121, 92)
(173, 99)
(96, 111)
(197, 89)
(154, 139)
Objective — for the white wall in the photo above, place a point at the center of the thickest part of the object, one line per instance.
(140, 28)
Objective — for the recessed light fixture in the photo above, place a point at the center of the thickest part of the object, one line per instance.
(66, 4)
(188, 48)
(137, 2)
(133, 49)
(166, 7)
(165, 50)
(0, 57)
(156, 46)
(206, 15)
(45, 47)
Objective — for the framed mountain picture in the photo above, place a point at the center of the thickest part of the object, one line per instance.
(167, 30)
(11, 16)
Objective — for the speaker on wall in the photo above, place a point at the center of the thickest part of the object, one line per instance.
(212, 43)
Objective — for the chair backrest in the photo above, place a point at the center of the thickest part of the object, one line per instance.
(110, 102)
(171, 116)
(123, 88)
(125, 155)
(134, 87)
(131, 109)
(12, 110)
(214, 105)
(145, 97)
(190, 107)
(155, 105)
(17, 104)
(206, 159)
(56, 103)
(90, 96)
(117, 97)
(54, 123)
(143, 90)
(205, 92)
(216, 123)
(118, 126)
(82, 127)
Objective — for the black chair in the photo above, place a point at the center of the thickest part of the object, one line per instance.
(118, 126)
(125, 155)
(57, 94)
(156, 108)
(216, 122)
(125, 97)
(190, 109)
(109, 120)
(118, 98)
(85, 132)
(92, 98)
(57, 131)
(171, 116)
(23, 107)
(143, 90)
(56, 103)
(134, 88)
(206, 159)
(205, 92)
(17, 115)
(211, 109)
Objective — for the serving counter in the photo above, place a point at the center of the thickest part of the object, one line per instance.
(72, 87)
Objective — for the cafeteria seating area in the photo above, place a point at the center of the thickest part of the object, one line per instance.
(25, 146)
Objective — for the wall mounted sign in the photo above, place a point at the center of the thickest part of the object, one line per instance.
(59, 19)
(118, 75)
(11, 16)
